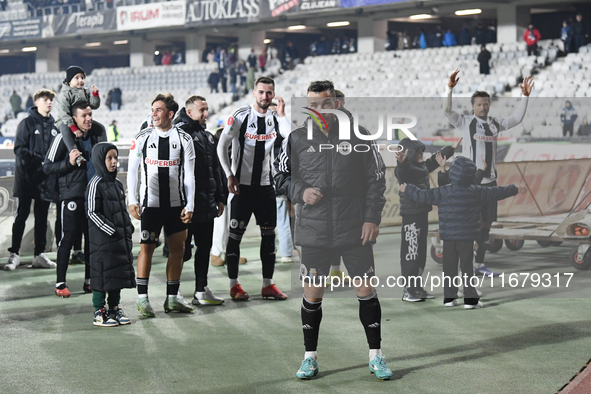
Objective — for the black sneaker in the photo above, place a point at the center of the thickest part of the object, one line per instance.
(410, 296)
(423, 293)
(86, 288)
(77, 258)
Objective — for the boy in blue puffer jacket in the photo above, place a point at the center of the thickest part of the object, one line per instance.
(459, 223)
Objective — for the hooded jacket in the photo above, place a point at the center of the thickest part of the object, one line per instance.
(67, 98)
(353, 185)
(72, 179)
(110, 228)
(210, 185)
(460, 202)
(33, 139)
(417, 174)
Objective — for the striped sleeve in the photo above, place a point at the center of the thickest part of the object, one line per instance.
(98, 218)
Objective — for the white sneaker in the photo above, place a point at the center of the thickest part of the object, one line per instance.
(477, 306)
(13, 261)
(451, 303)
(42, 261)
(206, 298)
(290, 259)
(461, 293)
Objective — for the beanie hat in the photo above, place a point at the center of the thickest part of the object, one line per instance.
(72, 71)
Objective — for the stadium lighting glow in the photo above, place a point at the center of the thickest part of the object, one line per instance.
(4, 50)
(468, 12)
(296, 27)
(29, 49)
(266, 41)
(120, 42)
(337, 24)
(93, 44)
(156, 53)
(420, 16)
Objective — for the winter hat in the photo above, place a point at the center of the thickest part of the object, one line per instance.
(72, 71)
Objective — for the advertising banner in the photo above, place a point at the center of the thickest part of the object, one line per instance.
(18, 30)
(365, 3)
(152, 15)
(210, 12)
(79, 23)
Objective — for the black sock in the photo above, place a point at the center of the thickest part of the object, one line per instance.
(370, 314)
(172, 287)
(233, 254)
(268, 252)
(481, 241)
(142, 285)
(311, 318)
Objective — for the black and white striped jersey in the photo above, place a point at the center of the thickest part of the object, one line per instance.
(479, 142)
(166, 162)
(252, 136)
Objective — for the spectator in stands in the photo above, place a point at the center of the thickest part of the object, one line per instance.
(29, 103)
(450, 39)
(223, 76)
(403, 40)
(113, 132)
(322, 47)
(211, 56)
(16, 103)
(566, 35)
(465, 36)
(242, 71)
(531, 37)
(33, 139)
(580, 32)
(438, 37)
(213, 81)
(233, 78)
(313, 48)
(352, 45)
(584, 128)
(114, 99)
(263, 60)
(484, 59)
(3, 4)
(480, 35)
(422, 39)
(166, 58)
(491, 34)
(252, 60)
(336, 46)
(177, 57)
(292, 52)
(568, 116)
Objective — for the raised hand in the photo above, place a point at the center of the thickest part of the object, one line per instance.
(441, 160)
(401, 157)
(522, 190)
(453, 79)
(458, 142)
(527, 86)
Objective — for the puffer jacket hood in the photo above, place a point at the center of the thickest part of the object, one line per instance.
(99, 154)
(183, 117)
(462, 171)
(413, 146)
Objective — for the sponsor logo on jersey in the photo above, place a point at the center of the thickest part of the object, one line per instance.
(174, 145)
(260, 137)
(162, 163)
(485, 138)
(230, 121)
(269, 123)
(152, 146)
(253, 125)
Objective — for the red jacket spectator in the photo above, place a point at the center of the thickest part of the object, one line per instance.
(531, 36)
(263, 60)
(166, 58)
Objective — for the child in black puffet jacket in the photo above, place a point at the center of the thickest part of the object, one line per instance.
(110, 232)
(412, 169)
(459, 205)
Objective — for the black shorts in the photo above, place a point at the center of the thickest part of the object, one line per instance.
(259, 200)
(489, 209)
(153, 219)
(317, 261)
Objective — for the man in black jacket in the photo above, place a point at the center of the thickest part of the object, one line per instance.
(209, 194)
(33, 138)
(339, 197)
(72, 180)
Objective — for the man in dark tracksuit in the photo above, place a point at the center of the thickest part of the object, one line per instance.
(72, 180)
(415, 221)
(33, 138)
(459, 223)
(210, 194)
(339, 197)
